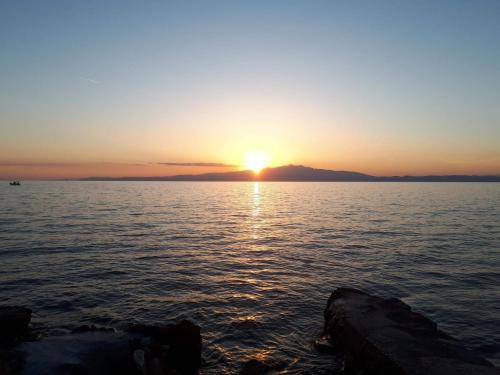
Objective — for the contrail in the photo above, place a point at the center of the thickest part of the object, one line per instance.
(95, 82)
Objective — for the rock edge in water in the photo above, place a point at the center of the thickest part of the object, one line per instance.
(384, 336)
(173, 346)
(14, 328)
(14, 323)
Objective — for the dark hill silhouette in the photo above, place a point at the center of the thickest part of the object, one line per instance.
(300, 173)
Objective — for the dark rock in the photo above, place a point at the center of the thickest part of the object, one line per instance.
(384, 336)
(14, 328)
(88, 353)
(178, 345)
(324, 346)
(91, 328)
(255, 367)
(173, 349)
(11, 362)
(14, 322)
(185, 347)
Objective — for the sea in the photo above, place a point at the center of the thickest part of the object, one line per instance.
(252, 263)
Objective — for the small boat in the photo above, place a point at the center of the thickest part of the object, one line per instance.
(15, 183)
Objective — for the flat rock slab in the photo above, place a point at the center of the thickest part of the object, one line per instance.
(91, 350)
(384, 336)
(96, 353)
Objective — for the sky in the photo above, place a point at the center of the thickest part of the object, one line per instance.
(136, 88)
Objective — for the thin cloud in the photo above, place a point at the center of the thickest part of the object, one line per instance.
(219, 165)
(36, 164)
(87, 79)
(64, 164)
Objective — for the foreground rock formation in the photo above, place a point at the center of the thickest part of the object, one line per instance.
(168, 348)
(384, 336)
(374, 335)
(14, 328)
(171, 349)
(14, 323)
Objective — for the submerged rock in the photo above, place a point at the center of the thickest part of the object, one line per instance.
(384, 336)
(91, 328)
(257, 367)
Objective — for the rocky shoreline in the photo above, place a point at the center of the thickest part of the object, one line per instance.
(372, 335)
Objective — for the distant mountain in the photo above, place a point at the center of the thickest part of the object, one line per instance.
(446, 178)
(299, 173)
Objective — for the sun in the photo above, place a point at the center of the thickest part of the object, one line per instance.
(256, 161)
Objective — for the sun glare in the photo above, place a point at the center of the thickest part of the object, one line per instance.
(256, 161)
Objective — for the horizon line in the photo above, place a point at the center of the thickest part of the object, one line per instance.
(193, 177)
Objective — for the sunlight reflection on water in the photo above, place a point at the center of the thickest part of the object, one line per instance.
(252, 263)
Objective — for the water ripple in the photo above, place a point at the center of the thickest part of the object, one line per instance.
(253, 264)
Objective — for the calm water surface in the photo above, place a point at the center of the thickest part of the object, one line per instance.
(252, 263)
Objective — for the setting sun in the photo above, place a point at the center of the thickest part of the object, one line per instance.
(256, 161)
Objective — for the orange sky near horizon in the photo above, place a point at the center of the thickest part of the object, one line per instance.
(288, 132)
(432, 165)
